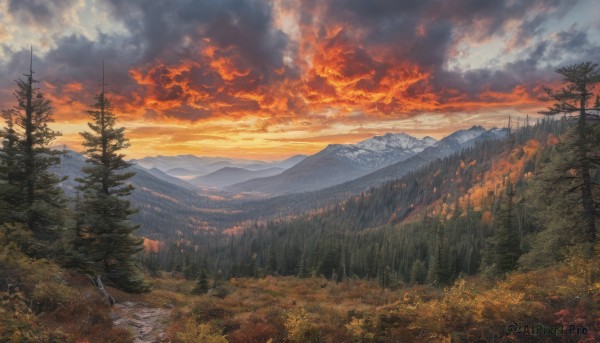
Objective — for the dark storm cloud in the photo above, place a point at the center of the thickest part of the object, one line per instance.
(72, 71)
(429, 27)
(78, 58)
(196, 59)
(175, 29)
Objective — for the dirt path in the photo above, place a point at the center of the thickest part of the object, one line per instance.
(146, 323)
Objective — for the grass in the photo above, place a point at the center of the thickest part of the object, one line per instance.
(49, 304)
(290, 309)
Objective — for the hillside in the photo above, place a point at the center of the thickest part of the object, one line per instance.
(293, 204)
(165, 209)
(170, 205)
(229, 175)
(464, 188)
(166, 177)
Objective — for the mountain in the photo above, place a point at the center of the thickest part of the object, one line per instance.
(166, 177)
(169, 208)
(230, 175)
(284, 164)
(461, 189)
(164, 163)
(180, 172)
(165, 209)
(447, 146)
(293, 204)
(338, 163)
(189, 166)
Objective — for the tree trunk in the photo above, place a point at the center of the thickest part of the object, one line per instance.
(588, 205)
(586, 188)
(97, 281)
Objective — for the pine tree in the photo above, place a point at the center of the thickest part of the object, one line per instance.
(106, 236)
(418, 273)
(438, 263)
(202, 283)
(506, 241)
(575, 97)
(302, 268)
(555, 205)
(272, 262)
(383, 277)
(153, 264)
(10, 195)
(27, 138)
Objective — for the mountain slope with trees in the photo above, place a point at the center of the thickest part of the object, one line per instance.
(361, 236)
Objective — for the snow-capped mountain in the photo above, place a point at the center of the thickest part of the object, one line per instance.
(380, 151)
(446, 146)
(338, 163)
(463, 136)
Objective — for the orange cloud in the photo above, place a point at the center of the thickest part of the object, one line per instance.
(217, 94)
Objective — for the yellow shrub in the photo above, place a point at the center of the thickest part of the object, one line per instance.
(300, 327)
(357, 328)
(194, 332)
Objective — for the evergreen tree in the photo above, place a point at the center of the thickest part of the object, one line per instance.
(252, 268)
(383, 277)
(190, 269)
(302, 268)
(27, 156)
(106, 236)
(553, 204)
(201, 284)
(10, 195)
(438, 263)
(153, 264)
(575, 97)
(506, 241)
(272, 262)
(418, 273)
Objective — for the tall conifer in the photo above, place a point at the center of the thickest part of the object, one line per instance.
(506, 241)
(34, 197)
(9, 185)
(106, 238)
(576, 97)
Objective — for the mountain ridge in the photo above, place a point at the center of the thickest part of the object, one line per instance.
(341, 163)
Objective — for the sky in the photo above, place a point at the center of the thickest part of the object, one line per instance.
(267, 79)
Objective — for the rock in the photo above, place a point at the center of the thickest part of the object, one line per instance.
(145, 322)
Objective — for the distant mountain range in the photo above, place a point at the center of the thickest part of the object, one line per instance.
(292, 204)
(170, 205)
(229, 175)
(190, 166)
(391, 154)
(447, 146)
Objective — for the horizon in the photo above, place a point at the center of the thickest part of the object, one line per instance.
(285, 157)
(271, 78)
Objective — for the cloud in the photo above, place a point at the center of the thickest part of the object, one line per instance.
(307, 65)
(40, 13)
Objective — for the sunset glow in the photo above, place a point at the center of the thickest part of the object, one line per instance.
(272, 78)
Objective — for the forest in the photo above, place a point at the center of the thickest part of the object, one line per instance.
(499, 234)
